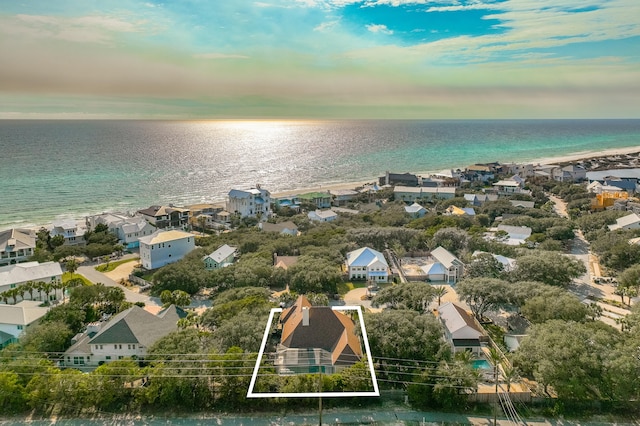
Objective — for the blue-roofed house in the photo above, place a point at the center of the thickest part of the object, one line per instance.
(222, 257)
(367, 264)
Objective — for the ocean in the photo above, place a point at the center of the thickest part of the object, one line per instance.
(71, 168)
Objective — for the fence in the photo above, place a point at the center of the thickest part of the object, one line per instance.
(144, 284)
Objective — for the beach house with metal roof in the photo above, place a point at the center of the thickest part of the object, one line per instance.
(316, 339)
(12, 276)
(630, 221)
(461, 329)
(16, 245)
(128, 334)
(452, 267)
(15, 319)
(322, 215)
(367, 264)
(223, 256)
(164, 247)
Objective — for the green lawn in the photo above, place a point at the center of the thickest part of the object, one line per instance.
(113, 265)
(344, 288)
(67, 276)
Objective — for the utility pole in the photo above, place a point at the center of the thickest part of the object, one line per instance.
(320, 398)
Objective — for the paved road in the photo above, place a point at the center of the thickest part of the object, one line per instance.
(98, 277)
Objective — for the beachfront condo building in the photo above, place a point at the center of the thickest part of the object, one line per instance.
(164, 247)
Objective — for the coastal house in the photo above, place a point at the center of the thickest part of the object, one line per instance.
(322, 200)
(508, 263)
(15, 319)
(479, 199)
(16, 245)
(570, 173)
(208, 215)
(410, 194)
(71, 230)
(459, 211)
(461, 330)
(367, 264)
(402, 179)
(127, 228)
(443, 266)
(13, 276)
(223, 256)
(516, 235)
(631, 221)
(626, 179)
(284, 262)
(322, 215)
(481, 172)
(523, 204)
(343, 196)
(510, 187)
(254, 202)
(415, 210)
(128, 334)
(164, 247)
(316, 339)
(282, 228)
(164, 217)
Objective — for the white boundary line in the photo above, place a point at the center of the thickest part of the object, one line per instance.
(254, 376)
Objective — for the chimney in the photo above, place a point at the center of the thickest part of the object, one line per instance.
(305, 316)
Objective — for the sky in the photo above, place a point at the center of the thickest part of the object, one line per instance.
(414, 59)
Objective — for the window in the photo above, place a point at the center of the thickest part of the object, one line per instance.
(13, 286)
(108, 357)
(20, 327)
(100, 346)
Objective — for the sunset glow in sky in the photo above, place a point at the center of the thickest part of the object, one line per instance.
(192, 59)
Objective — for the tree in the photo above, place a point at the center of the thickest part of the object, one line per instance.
(71, 266)
(570, 356)
(402, 334)
(176, 297)
(484, 265)
(453, 239)
(440, 292)
(548, 268)
(483, 294)
(630, 279)
(54, 336)
(413, 296)
(12, 399)
(565, 307)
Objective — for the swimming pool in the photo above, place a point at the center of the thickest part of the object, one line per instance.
(481, 364)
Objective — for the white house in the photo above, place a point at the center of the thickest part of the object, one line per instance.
(128, 334)
(128, 229)
(16, 245)
(460, 329)
(12, 276)
(343, 196)
(14, 319)
(72, 231)
(367, 264)
(446, 267)
(631, 221)
(164, 247)
(223, 256)
(322, 215)
(516, 234)
(249, 203)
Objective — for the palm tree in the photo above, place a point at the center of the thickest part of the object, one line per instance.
(21, 290)
(13, 293)
(71, 266)
(30, 286)
(48, 288)
(440, 292)
(5, 297)
(510, 375)
(40, 286)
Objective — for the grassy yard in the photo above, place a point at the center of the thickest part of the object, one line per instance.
(107, 267)
(344, 288)
(67, 276)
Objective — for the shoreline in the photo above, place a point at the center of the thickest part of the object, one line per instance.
(351, 185)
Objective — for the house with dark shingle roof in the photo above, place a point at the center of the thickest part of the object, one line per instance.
(316, 339)
(128, 334)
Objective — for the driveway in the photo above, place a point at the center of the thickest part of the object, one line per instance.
(131, 296)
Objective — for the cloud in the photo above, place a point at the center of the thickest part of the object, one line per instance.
(379, 29)
(325, 26)
(215, 55)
